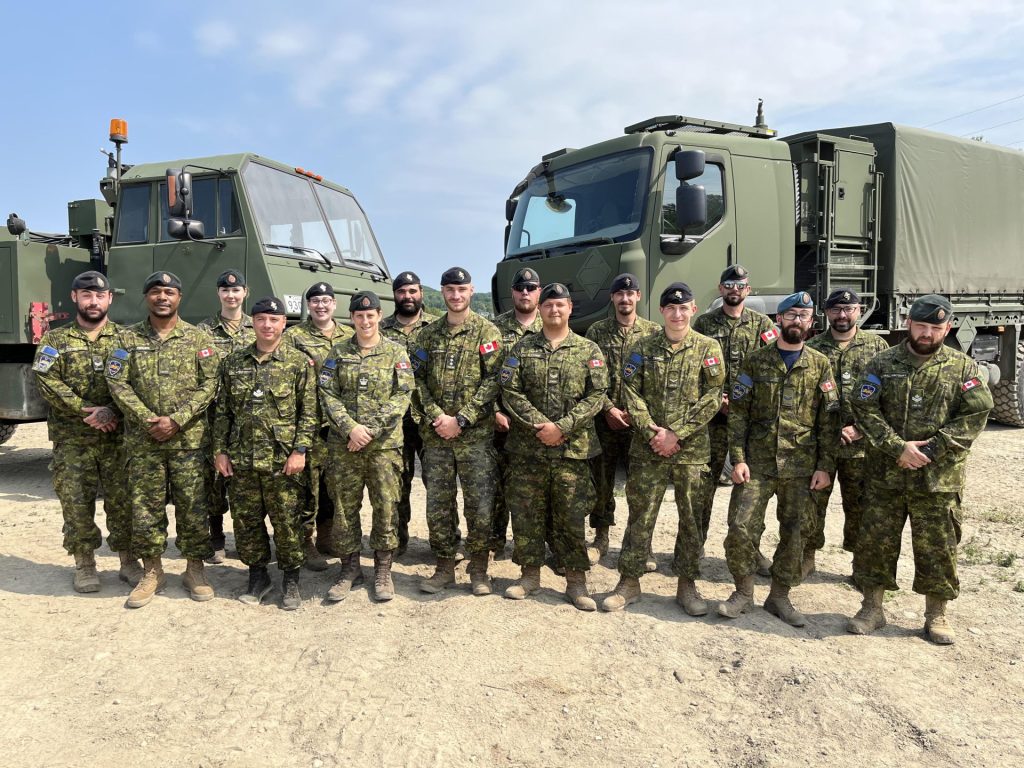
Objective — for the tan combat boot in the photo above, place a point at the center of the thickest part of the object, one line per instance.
(350, 575)
(478, 578)
(528, 584)
(778, 604)
(598, 548)
(153, 580)
(741, 600)
(689, 599)
(131, 570)
(808, 566)
(626, 592)
(936, 627)
(86, 579)
(314, 560)
(443, 576)
(576, 590)
(870, 616)
(196, 583)
(383, 587)
(764, 565)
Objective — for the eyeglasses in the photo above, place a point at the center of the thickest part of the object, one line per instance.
(526, 287)
(731, 285)
(321, 301)
(801, 316)
(842, 310)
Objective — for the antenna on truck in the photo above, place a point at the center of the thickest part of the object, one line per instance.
(759, 121)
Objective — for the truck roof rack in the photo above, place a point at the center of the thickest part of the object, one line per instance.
(696, 125)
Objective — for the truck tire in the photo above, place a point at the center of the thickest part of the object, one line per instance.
(1009, 396)
(6, 431)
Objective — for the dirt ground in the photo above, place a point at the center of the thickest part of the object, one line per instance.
(452, 679)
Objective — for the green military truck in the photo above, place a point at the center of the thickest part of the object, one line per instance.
(891, 211)
(283, 227)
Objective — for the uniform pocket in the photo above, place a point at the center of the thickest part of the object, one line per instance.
(284, 400)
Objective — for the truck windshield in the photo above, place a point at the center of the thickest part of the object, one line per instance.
(598, 200)
(297, 222)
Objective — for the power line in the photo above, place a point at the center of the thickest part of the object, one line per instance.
(991, 127)
(973, 111)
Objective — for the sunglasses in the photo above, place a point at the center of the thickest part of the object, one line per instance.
(526, 288)
(735, 285)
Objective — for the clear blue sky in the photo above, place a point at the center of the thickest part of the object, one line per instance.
(431, 112)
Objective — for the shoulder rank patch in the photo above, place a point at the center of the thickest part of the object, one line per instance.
(770, 335)
(970, 384)
(636, 360)
(710, 361)
(207, 352)
(490, 346)
(596, 363)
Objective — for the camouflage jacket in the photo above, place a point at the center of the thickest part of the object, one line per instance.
(176, 376)
(784, 423)
(457, 373)
(737, 337)
(372, 390)
(848, 368)
(265, 409)
(314, 342)
(614, 341)
(565, 385)
(942, 400)
(69, 371)
(512, 331)
(226, 341)
(679, 389)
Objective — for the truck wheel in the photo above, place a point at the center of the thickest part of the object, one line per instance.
(1009, 396)
(6, 431)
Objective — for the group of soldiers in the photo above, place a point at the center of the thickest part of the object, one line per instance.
(530, 418)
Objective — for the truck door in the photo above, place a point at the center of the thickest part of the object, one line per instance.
(698, 255)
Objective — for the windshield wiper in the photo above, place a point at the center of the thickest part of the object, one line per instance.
(301, 249)
(583, 243)
(542, 252)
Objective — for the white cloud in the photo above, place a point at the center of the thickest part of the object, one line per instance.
(215, 37)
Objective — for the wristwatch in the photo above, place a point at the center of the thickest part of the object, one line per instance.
(462, 421)
(300, 449)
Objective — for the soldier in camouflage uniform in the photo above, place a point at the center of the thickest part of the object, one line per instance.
(85, 427)
(614, 335)
(408, 319)
(315, 336)
(553, 383)
(163, 378)
(673, 386)
(266, 416)
(522, 319)
(231, 330)
(456, 363)
(848, 350)
(783, 427)
(738, 330)
(920, 405)
(365, 388)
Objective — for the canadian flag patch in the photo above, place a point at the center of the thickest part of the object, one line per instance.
(970, 384)
(595, 363)
(488, 347)
(401, 365)
(709, 361)
(828, 386)
(770, 335)
(205, 352)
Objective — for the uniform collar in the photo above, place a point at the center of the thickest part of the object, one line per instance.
(664, 341)
(75, 329)
(244, 322)
(152, 333)
(908, 357)
(277, 354)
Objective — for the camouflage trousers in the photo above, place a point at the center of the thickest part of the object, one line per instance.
(746, 518)
(412, 447)
(218, 508)
(317, 505)
(550, 502)
(257, 495)
(78, 470)
(475, 466)
(183, 476)
(645, 489)
(348, 473)
(501, 514)
(718, 431)
(853, 476)
(614, 451)
(935, 528)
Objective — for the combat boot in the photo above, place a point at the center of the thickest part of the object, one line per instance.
(627, 591)
(689, 599)
(86, 579)
(350, 575)
(741, 600)
(314, 560)
(599, 547)
(291, 599)
(443, 576)
(153, 580)
(936, 627)
(528, 584)
(383, 587)
(764, 565)
(478, 578)
(196, 583)
(778, 604)
(576, 590)
(131, 570)
(808, 566)
(323, 536)
(217, 540)
(871, 616)
(259, 586)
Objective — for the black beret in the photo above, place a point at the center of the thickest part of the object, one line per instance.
(800, 300)
(456, 276)
(268, 305)
(676, 293)
(164, 279)
(91, 281)
(231, 278)
(525, 276)
(363, 300)
(627, 281)
(404, 279)
(320, 289)
(933, 309)
(842, 297)
(735, 272)
(554, 291)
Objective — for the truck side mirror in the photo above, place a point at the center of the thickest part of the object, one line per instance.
(179, 193)
(186, 229)
(691, 206)
(510, 208)
(689, 163)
